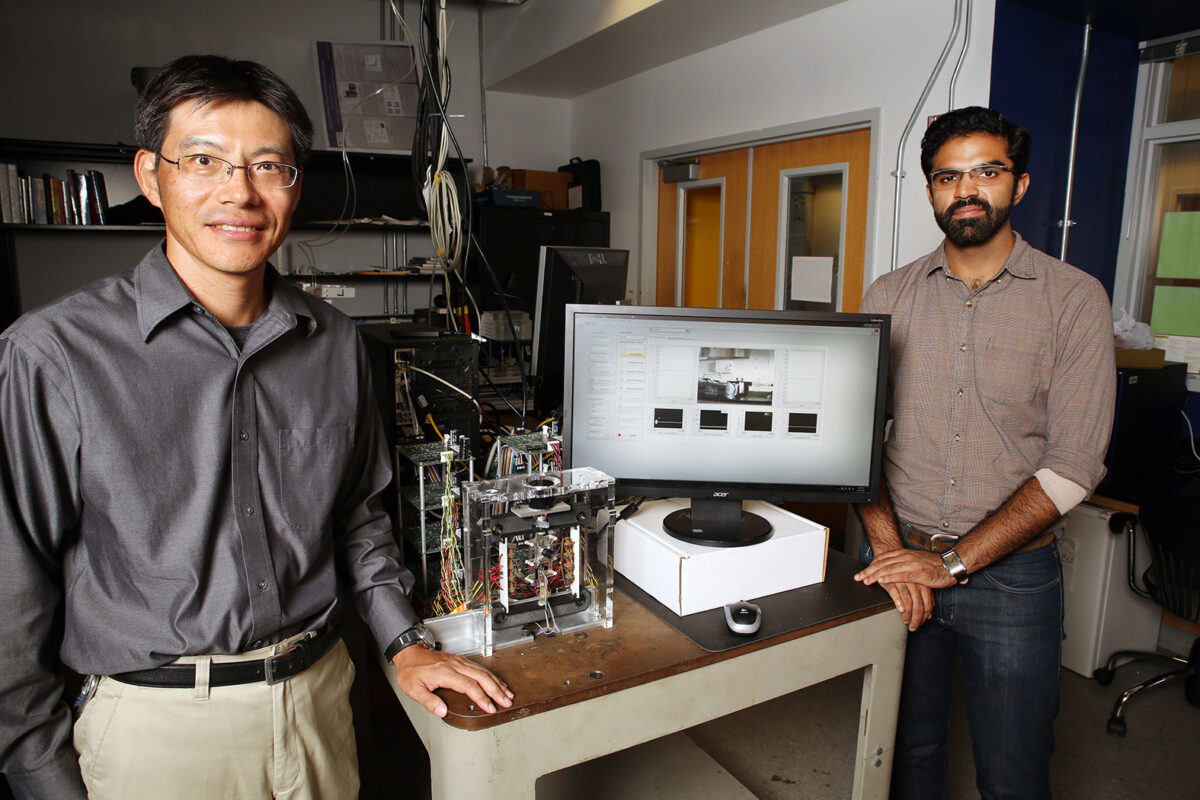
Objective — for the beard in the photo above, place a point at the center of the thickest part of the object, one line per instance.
(973, 230)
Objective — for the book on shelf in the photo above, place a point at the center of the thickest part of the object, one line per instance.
(12, 200)
(6, 214)
(14, 188)
(80, 197)
(97, 196)
(26, 199)
(57, 200)
(37, 189)
(77, 202)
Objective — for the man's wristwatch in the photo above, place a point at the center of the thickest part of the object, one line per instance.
(417, 634)
(954, 564)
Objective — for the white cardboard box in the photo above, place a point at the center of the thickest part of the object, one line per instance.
(687, 578)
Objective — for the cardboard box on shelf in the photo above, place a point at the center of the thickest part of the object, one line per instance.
(1127, 357)
(552, 185)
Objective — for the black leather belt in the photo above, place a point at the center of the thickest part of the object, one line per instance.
(302, 655)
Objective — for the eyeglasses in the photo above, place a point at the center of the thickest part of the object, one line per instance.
(983, 175)
(210, 169)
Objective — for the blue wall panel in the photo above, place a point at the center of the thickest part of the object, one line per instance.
(1035, 67)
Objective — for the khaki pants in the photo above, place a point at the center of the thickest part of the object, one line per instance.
(290, 740)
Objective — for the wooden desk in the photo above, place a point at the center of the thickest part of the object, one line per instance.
(586, 695)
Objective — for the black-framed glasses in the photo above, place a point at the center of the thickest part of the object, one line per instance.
(982, 175)
(204, 168)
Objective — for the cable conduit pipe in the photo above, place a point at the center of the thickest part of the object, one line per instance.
(898, 174)
(1066, 222)
(962, 55)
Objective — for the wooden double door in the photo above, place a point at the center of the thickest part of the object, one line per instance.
(779, 225)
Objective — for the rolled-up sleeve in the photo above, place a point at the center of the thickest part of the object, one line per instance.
(39, 445)
(1079, 405)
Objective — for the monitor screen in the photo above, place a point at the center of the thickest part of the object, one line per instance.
(592, 275)
(725, 405)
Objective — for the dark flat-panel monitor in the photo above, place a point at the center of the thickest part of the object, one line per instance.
(584, 275)
(726, 405)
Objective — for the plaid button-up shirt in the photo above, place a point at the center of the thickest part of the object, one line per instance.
(988, 386)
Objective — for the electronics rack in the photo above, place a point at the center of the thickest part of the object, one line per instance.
(429, 510)
(529, 452)
(536, 557)
(427, 382)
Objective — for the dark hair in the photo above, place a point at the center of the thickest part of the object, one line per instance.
(216, 79)
(971, 120)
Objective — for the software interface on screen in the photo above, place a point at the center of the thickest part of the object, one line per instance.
(721, 399)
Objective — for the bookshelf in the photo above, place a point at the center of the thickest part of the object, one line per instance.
(39, 262)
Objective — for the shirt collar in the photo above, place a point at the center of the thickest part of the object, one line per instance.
(160, 294)
(1019, 263)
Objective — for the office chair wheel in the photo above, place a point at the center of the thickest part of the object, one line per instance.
(1103, 676)
(1116, 726)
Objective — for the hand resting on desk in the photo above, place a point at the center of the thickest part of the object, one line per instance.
(419, 672)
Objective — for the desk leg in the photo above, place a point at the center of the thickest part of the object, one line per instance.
(879, 711)
(472, 764)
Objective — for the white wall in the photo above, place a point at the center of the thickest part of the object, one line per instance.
(859, 54)
(526, 132)
(65, 64)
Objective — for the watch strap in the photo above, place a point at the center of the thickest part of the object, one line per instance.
(417, 634)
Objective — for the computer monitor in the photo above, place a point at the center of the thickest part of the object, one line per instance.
(726, 405)
(591, 275)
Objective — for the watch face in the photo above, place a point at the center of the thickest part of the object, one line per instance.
(955, 566)
(422, 635)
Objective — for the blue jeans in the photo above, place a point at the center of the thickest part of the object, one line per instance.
(1005, 625)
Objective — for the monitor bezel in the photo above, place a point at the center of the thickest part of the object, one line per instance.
(549, 256)
(633, 486)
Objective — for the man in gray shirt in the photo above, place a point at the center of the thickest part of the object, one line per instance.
(190, 469)
(1001, 385)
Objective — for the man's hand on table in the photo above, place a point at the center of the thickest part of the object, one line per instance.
(909, 576)
(420, 671)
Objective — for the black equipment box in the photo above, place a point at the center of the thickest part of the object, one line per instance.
(585, 174)
(1146, 429)
(421, 375)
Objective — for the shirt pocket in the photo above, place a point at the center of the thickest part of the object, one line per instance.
(312, 462)
(1015, 367)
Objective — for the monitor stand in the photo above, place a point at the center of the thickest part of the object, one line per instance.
(717, 523)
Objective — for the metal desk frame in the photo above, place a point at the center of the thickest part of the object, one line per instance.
(678, 686)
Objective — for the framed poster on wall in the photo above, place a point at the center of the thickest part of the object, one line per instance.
(368, 95)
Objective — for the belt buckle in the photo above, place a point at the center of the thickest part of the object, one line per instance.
(283, 666)
(946, 540)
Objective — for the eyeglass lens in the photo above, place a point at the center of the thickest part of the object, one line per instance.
(983, 175)
(211, 169)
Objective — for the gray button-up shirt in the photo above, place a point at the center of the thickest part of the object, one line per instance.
(990, 385)
(163, 493)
